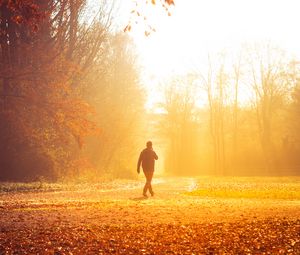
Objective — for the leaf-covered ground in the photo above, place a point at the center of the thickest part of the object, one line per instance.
(112, 218)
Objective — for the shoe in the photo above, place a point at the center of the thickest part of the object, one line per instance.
(145, 195)
(152, 194)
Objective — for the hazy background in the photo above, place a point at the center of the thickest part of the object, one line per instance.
(215, 87)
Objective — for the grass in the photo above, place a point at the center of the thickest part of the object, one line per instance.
(287, 188)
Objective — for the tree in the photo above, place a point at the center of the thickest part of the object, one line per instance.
(117, 95)
(42, 113)
(179, 125)
(268, 69)
(236, 79)
(214, 83)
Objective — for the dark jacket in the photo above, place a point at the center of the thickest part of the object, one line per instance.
(147, 159)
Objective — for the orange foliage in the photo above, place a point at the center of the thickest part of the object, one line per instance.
(139, 14)
(42, 114)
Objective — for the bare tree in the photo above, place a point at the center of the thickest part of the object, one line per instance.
(179, 124)
(267, 67)
(236, 81)
(214, 83)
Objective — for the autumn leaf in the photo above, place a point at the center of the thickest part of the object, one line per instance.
(170, 2)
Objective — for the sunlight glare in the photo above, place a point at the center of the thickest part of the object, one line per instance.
(196, 28)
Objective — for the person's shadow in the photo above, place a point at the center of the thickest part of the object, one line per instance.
(139, 198)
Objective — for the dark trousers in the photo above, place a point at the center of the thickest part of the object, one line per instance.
(148, 175)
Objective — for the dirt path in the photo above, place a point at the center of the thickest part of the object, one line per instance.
(117, 220)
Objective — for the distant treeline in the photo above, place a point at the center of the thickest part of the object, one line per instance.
(238, 115)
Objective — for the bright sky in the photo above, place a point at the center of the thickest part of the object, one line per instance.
(199, 27)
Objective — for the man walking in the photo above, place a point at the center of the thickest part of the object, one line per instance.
(147, 159)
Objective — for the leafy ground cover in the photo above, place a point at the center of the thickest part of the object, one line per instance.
(114, 219)
(248, 187)
(40, 186)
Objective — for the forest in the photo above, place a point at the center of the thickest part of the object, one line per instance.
(73, 102)
(59, 92)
